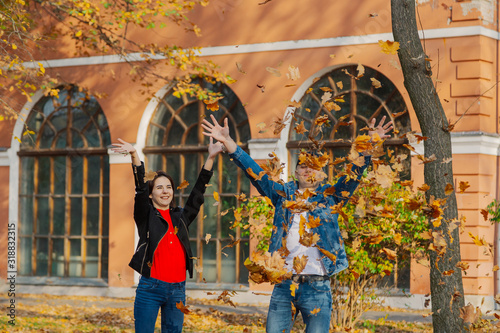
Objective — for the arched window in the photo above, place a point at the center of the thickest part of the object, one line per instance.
(359, 101)
(175, 143)
(64, 188)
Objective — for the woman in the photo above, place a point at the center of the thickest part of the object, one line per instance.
(163, 254)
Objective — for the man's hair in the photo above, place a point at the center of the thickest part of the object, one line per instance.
(161, 173)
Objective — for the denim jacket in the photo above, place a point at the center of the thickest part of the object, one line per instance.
(329, 233)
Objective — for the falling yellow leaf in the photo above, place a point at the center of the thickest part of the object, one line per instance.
(150, 175)
(240, 68)
(340, 85)
(294, 286)
(182, 307)
(207, 238)
(293, 73)
(463, 186)
(299, 263)
(376, 83)
(182, 185)
(315, 311)
(300, 128)
(273, 71)
(448, 189)
(388, 46)
(216, 196)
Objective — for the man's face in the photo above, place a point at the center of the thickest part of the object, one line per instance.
(308, 177)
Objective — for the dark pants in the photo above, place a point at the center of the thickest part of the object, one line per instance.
(153, 294)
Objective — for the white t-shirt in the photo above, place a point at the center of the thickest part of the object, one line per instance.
(314, 265)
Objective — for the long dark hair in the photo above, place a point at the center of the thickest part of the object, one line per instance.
(161, 173)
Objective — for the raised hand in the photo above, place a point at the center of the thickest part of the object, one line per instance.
(123, 147)
(382, 129)
(215, 148)
(215, 130)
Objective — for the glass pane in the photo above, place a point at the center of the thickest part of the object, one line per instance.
(227, 202)
(47, 136)
(176, 133)
(75, 259)
(77, 140)
(80, 118)
(25, 255)
(27, 180)
(76, 217)
(228, 263)
(154, 162)
(92, 136)
(42, 221)
(209, 262)
(211, 215)
(105, 181)
(244, 254)
(104, 259)
(60, 119)
(93, 211)
(60, 175)
(43, 175)
(59, 216)
(155, 136)
(92, 258)
(105, 216)
(26, 215)
(229, 179)
(42, 256)
(76, 174)
(94, 174)
(62, 140)
(58, 257)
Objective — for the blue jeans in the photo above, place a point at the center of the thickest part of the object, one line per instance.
(153, 294)
(309, 297)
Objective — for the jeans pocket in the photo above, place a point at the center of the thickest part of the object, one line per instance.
(320, 286)
(146, 284)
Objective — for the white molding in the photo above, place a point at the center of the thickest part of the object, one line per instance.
(475, 143)
(271, 47)
(117, 158)
(4, 158)
(261, 148)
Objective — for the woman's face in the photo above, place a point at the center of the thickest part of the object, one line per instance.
(162, 193)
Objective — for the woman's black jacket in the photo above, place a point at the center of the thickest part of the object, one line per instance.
(152, 227)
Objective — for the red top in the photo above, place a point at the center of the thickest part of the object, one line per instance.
(169, 262)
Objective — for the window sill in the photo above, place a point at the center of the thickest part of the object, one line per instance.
(59, 281)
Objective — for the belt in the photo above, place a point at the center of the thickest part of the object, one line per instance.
(309, 278)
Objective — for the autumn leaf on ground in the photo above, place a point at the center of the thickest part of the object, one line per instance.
(293, 73)
(469, 314)
(315, 311)
(207, 238)
(150, 175)
(274, 71)
(448, 189)
(388, 46)
(182, 185)
(182, 307)
(463, 186)
(391, 254)
(374, 239)
(299, 263)
(240, 68)
(300, 128)
(376, 83)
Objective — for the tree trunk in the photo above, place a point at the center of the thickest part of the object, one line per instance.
(446, 291)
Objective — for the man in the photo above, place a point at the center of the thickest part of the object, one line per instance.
(324, 252)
